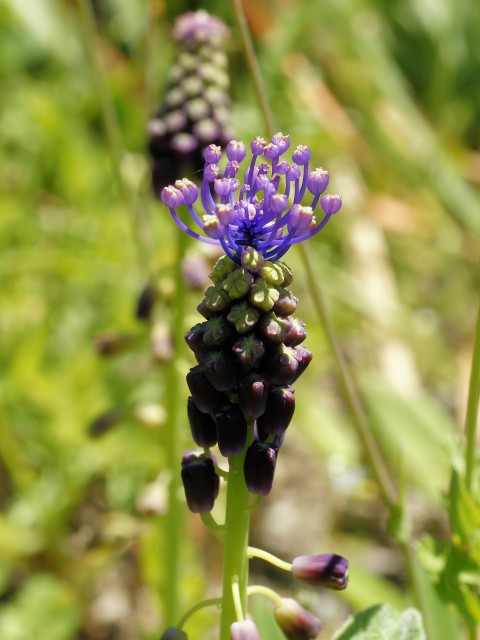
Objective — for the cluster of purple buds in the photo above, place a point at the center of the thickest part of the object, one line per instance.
(249, 354)
(196, 108)
(265, 211)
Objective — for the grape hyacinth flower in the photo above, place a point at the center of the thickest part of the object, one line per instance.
(196, 108)
(264, 212)
(249, 352)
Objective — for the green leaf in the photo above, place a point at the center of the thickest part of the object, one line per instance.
(381, 622)
(464, 512)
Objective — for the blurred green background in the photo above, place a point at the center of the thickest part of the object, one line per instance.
(387, 95)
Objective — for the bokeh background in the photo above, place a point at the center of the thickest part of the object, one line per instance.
(387, 95)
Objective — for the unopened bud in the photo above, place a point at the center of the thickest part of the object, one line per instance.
(200, 482)
(244, 630)
(231, 430)
(278, 412)
(202, 425)
(259, 468)
(323, 570)
(173, 634)
(296, 622)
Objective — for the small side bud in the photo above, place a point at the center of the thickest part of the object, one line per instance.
(278, 412)
(259, 468)
(244, 630)
(231, 430)
(323, 570)
(296, 622)
(202, 425)
(200, 482)
(331, 204)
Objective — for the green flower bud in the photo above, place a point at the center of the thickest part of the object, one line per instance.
(237, 284)
(262, 295)
(252, 259)
(243, 317)
(272, 273)
(216, 299)
(287, 273)
(222, 268)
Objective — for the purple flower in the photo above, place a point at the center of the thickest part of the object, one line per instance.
(323, 570)
(264, 212)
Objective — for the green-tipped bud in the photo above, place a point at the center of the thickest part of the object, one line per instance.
(218, 333)
(252, 259)
(296, 622)
(248, 351)
(237, 284)
(222, 268)
(287, 273)
(217, 299)
(243, 317)
(274, 328)
(263, 295)
(272, 273)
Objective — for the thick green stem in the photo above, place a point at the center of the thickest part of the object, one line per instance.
(235, 557)
(173, 517)
(472, 409)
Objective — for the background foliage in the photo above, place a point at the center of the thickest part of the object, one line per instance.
(387, 96)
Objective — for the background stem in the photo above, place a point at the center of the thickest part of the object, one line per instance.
(472, 409)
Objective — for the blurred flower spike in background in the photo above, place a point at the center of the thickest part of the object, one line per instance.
(257, 214)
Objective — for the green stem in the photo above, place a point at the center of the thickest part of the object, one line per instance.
(235, 557)
(211, 602)
(414, 578)
(260, 590)
(173, 438)
(253, 552)
(472, 409)
(139, 228)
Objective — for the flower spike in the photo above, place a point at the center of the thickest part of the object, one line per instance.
(264, 214)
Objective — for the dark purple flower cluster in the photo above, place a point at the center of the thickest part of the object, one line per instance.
(265, 212)
(195, 110)
(249, 352)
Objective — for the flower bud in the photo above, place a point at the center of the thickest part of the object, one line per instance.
(331, 204)
(252, 259)
(274, 329)
(237, 284)
(146, 302)
(248, 351)
(259, 468)
(296, 334)
(281, 365)
(286, 303)
(218, 333)
(323, 570)
(223, 266)
(231, 430)
(173, 634)
(317, 181)
(252, 395)
(296, 622)
(194, 338)
(219, 367)
(278, 412)
(244, 630)
(272, 273)
(200, 482)
(204, 394)
(202, 425)
(263, 295)
(303, 357)
(217, 299)
(243, 317)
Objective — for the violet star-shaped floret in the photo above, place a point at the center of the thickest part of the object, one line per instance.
(265, 212)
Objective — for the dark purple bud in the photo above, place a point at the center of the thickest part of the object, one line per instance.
(303, 357)
(106, 421)
(204, 310)
(244, 630)
(204, 429)
(173, 634)
(297, 333)
(274, 329)
(323, 570)
(218, 333)
(231, 430)
(109, 344)
(286, 303)
(296, 622)
(281, 365)
(145, 303)
(200, 482)
(259, 468)
(278, 412)
(204, 394)
(252, 395)
(248, 351)
(194, 338)
(220, 369)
